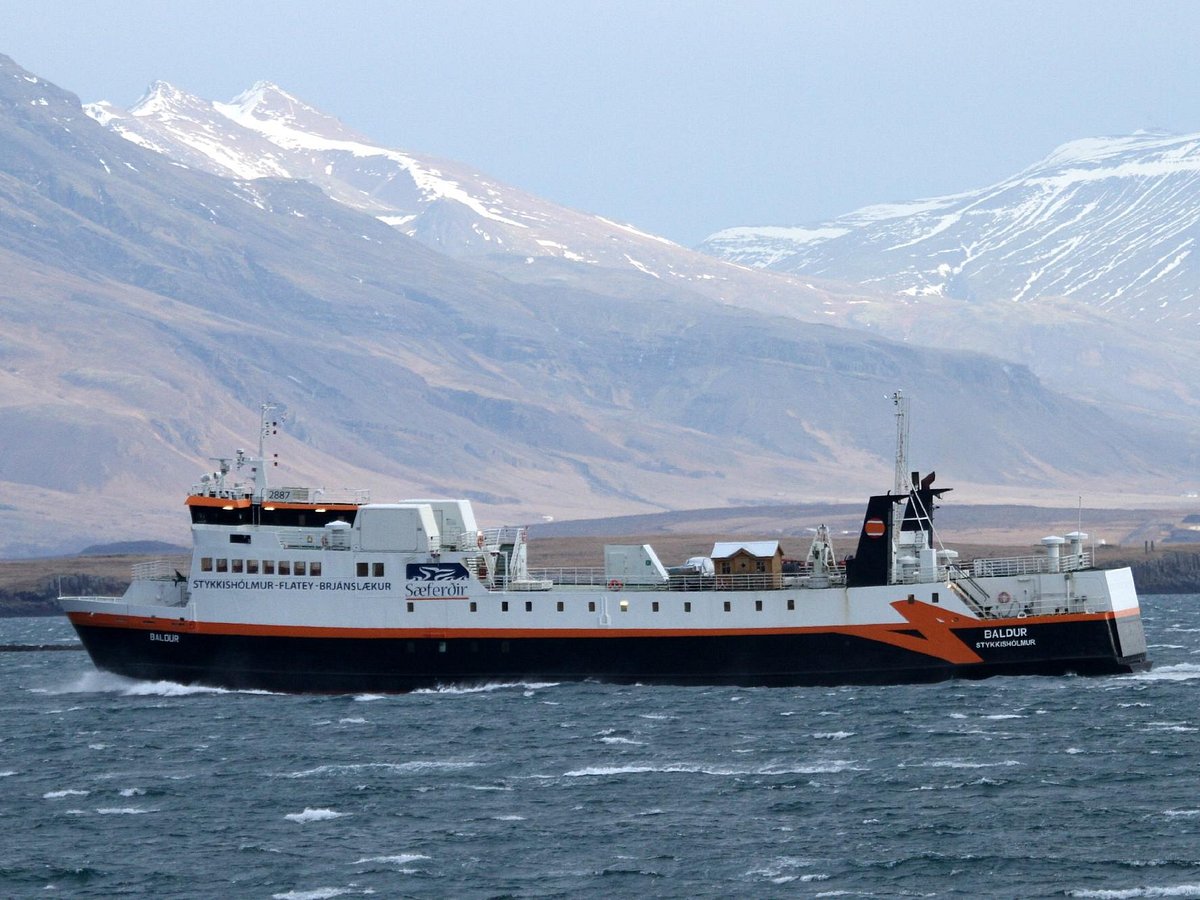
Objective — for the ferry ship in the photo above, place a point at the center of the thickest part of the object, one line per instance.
(296, 590)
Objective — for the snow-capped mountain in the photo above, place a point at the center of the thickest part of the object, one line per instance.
(1109, 222)
(266, 132)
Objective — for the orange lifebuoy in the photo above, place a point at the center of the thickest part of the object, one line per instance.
(615, 584)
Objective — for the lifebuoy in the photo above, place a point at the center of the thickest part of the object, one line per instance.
(615, 584)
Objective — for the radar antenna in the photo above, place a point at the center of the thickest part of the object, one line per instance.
(902, 477)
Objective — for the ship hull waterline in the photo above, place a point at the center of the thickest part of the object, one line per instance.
(405, 661)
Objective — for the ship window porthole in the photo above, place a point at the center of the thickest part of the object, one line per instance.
(560, 606)
(410, 606)
(791, 603)
(758, 606)
(504, 646)
(654, 606)
(298, 567)
(687, 605)
(222, 565)
(591, 606)
(728, 606)
(361, 570)
(206, 564)
(252, 567)
(528, 606)
(377, 570)
(314, 568)
(474, 606)
(410, 647)
(268, 567)
(503, 606)
(285, 567)
(237, 566)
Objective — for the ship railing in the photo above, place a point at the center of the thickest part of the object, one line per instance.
(1030, 565)
(154, 570)
(576, 575)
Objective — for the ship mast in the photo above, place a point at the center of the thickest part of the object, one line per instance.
(902, 484)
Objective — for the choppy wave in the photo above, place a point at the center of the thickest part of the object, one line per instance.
(1177, 672)
(313, 815)
(404, 768)
(828, 767)
(1178, 890)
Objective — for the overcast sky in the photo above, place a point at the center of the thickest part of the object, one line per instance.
(678, 117)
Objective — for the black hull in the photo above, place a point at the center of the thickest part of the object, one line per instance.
(397, 664)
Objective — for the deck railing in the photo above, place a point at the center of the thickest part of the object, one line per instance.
(1030, 565)
(154, 570)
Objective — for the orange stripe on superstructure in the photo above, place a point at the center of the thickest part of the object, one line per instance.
(219, 502)
(341, 507)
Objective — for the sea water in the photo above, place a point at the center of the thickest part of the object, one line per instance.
(1008, 787)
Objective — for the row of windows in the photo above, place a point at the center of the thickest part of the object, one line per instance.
(624, 606)
(281, 567)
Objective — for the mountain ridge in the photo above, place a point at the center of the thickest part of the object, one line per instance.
(151, 305)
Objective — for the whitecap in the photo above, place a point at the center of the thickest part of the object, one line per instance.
(621, 740)
(354, 721)
(132, 792)
(122, 811)
(834, 735)
(828, 767)
(450, 689)
(1178, 672)
(8, 773)
(313, 815)
(399, 859)
(1179, 890)
(404, 767)
(512, 818)
(315, 894)
(1181, 813)
(56, 795)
